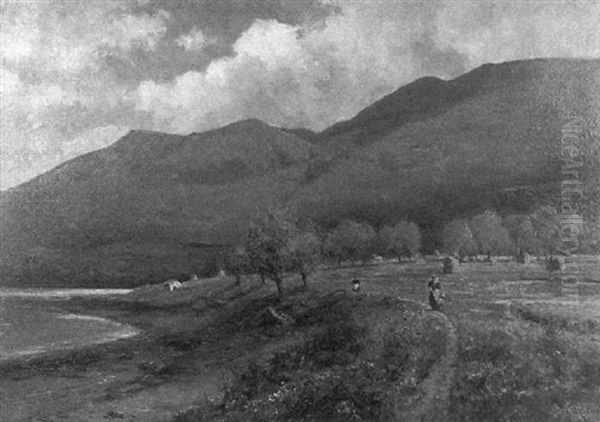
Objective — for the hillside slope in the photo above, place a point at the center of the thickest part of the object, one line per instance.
(153, 189)
(492, 139)
(429, 152)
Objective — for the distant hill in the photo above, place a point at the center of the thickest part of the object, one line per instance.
(137, 210)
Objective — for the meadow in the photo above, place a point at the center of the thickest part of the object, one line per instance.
(513, 343)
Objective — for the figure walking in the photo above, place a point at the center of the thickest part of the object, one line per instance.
(436, 295)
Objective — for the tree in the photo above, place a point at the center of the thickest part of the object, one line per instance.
(237, 262)
(457, 238)
(306, 253)
(268, 245)
(402, 240)
(522, 233)
(546, 223)
(350, 240)
(491, 237)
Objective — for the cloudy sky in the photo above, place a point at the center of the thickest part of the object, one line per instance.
(77, 75)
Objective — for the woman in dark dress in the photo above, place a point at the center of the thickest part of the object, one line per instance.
(436, 296)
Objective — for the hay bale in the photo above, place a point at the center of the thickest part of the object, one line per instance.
(555, 263)
(523, 257)
(451, 265)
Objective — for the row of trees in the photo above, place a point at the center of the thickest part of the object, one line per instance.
(277, 243)
(359, 241)
(537, 232)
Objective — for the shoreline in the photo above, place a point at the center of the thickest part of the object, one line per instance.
(66, 307)
(59, 293)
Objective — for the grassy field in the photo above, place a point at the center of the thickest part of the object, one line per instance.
(513, 344)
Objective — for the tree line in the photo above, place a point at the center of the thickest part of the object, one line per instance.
(277, 242)
(538, 232)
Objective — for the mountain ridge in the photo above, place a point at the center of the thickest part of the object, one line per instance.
(431, 151)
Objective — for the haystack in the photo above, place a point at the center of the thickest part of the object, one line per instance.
(555, 263)
(451, 265)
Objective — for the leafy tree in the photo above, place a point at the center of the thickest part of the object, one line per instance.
(237, 262)
(306, 253)
(268, 245)
(522, 233)
(457, 238)
(546, 223)
(350, 240)
(402, 240)
(491, 237)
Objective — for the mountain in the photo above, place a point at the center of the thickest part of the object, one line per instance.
(436, 149)
(166, 192)
(153, 205)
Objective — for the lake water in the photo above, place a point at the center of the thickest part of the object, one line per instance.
(30, 322)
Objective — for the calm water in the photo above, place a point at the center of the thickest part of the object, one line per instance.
(31, 324)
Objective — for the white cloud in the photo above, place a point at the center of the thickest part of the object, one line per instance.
(195, 40)
(131, 31)
(9, 83)
(70, 37)
(286, 76)
(18, 35)
(56, 97)
(315, 76)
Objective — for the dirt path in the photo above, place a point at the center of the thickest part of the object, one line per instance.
(433, 406)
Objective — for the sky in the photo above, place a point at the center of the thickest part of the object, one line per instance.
(75, 75)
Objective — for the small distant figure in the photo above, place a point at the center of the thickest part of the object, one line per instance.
(173, 284)
(356, 285)
(436, 295)
(194, 277)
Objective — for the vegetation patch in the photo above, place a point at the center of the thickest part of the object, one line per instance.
(523, 372)
(361, 360)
